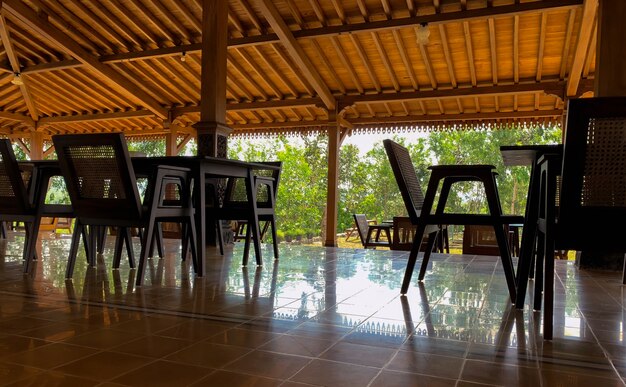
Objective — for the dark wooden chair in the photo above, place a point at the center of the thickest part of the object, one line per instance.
(586, 211)
(22, 198)
(419, 207)
(237, 206)
(102, 185)
(369, 234)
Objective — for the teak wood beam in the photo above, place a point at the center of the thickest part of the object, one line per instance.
(582, 45)
(555, 88)
(297, 52)
(458, 117)
(367, 26)
(18, 118)
(94, 117)
(15, 66)
(29, 18)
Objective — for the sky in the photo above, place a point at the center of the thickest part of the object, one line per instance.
(365, 142)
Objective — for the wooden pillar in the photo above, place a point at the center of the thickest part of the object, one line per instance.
(610, 81)
(212, 130)
(36, 146)
(332, 196)
(171, 142)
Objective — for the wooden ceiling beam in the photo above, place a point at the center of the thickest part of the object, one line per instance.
(447, 55)
(287, 60)
(366, 62)
(542, 44)
(436, 19)
(459, 117)
(329, 67)
(287, 38)
(347, 64)
(28, 17)
(17, 118)
(566, 45)
(382, 53)
(188, 15)
(588, 20)
(15, 65)
(552, 88)
(260, 72)
(492, 47)
(259, 105)
(252, 16)
(405, 58)
(94, 117)
(470, 52)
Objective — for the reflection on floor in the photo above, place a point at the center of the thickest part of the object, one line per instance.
(319, 316)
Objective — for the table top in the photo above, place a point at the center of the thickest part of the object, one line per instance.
(526, 154)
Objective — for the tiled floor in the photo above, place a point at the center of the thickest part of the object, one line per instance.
(319, 316)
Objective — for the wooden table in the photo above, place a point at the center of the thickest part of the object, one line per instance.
(204, 168)
(520, 155)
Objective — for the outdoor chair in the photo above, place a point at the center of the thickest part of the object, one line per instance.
(237, 206)
(22, 198)
(102, 186)
(586, 211)
(419, 207)
(366, 232)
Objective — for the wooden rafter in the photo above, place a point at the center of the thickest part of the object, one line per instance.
(346, 63)
(405, 58)
(285, 58)
(340, 11)
(15, 65)
(253, 64)
(516, 48)
(492, 46)
(366, 62)
(26, 16)
(446, 53)
(329, 67)
(470, 52)
(582, 45)
(297, 53)
(247, 77)
(542, 43)
(252, 16)
(460, 117)
(385, 59)
(566, 46)
(547, 87)
(276, 71)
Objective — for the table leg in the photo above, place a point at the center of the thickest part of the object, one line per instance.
(253, 223)
(529, 235)
(199, 192)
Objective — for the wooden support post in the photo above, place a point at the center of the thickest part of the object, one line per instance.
(610, 80)
(171, 142)
(332, 196)
(212, 129)
(36, 146)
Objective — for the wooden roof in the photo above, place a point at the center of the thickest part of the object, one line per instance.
(134, 65)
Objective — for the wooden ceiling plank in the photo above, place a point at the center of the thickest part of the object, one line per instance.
(386, 8)
(459, 104)
(17, 117)
(405, 58)
(234, 20)
(341, 14)
(244, 73)
(76, 90)
(242, 88)
(581, 51)
(346, 63)
(132, 18)
(370, 109)
(542, 44)
(477, 104)
(440, 105)
(285, 58)
(94, 34)
(188, 15)
(499, 11)
(29, 18)
(427, 64)
(329, 67)
(363, 9)
(192, 88)
(447, 55)
(277, 72)
(112, 20)
(295, 12)
(252, 16)
(14, 60)
(385, 59)
(258, 117)
(171, 18)
(297, 53)
(91, 19)
(119, 99)
(492, 46)
(566, 46)
(156, 22)
(260, 72)
(470, 52)
(170, 86)
(388, 108)
(319, 12)
(406, 109)
(410, 5)
(26, 50)
(368, 65)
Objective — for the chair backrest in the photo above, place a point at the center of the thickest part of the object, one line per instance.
(99, 176)
(360, 220)
(236, 188)
(406, 177)
(592, 201)
(13, 193)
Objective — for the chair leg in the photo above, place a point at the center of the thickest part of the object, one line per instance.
(430, 243)
(191, 231)
(119, 242)
(541, 241)
(246, 247)
(102, 238)
(147, 236)
(274, 236)
(624, 272)
(184, 241)
(158, 234)
(31, 243)
(128, 238)
(71, 259)
(410, 265)
(548, 289)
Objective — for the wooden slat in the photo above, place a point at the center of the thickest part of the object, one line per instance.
(494, 55)
(382, 53)
(405, 58)
(582, 45)
(542, 43)
(470, 52)
(252, 16)
(566, 46)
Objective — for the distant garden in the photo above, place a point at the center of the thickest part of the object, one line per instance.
(367, 184)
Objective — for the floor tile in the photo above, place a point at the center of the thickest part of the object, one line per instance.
(163, 373)
(330, 373)
(267, 364)
(104, 365)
